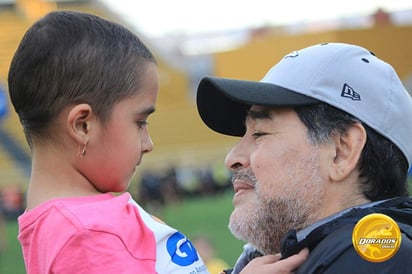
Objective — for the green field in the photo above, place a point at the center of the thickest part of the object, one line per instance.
(11, 261)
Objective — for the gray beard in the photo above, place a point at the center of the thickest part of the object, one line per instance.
(267, 225)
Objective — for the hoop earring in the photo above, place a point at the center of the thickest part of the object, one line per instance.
(82, 151)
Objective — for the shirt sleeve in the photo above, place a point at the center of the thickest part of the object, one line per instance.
(91, 252)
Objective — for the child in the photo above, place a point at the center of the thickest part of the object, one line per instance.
(84, 88)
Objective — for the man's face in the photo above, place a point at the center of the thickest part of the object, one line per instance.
(277, 178)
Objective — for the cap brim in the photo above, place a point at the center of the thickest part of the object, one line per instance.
(223, 103)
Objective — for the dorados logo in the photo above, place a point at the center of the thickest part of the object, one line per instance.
(376, 237)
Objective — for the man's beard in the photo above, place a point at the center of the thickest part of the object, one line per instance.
(269, 219)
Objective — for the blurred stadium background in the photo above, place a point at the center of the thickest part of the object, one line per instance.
(188, 158)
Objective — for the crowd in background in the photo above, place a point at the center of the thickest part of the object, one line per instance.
(156, 189)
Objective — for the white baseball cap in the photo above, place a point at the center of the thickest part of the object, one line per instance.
(348, 77)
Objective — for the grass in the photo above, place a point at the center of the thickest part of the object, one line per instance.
(11, 260)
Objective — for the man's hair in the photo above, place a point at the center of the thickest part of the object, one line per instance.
(382, 166)
(68, 58)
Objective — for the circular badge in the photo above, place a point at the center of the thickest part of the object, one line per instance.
(376, 237)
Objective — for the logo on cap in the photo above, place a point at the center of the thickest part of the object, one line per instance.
(349, 92)
(376, 237)
(292, 54)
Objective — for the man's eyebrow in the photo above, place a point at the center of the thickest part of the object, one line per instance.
(258, 114)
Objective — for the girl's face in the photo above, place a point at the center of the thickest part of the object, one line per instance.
(114, 150)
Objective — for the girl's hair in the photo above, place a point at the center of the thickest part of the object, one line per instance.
(383, 168)
(68, 58)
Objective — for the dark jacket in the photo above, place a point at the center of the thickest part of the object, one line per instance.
(330, 242)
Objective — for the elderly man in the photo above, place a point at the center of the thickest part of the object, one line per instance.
(322, 161)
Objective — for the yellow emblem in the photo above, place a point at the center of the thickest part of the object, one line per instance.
(376, 237)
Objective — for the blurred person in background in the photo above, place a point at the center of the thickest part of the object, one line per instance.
(13, 201)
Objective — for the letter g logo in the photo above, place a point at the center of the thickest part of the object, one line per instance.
(181, 250)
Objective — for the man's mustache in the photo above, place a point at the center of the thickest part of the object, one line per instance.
(245, 175)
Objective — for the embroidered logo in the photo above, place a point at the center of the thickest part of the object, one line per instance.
(349, 92)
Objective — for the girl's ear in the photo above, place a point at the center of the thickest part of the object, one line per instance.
(348, 147)
(79, 123)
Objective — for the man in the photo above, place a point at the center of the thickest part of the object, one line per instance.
(325, 141)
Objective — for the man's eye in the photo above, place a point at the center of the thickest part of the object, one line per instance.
(258, 134)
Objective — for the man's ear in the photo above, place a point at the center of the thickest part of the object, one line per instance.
(348, 146)
(79, 122)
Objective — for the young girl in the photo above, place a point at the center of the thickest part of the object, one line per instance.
(84, 88)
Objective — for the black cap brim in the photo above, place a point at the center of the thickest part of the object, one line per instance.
(223, 103)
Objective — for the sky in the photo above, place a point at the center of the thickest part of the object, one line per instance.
(157, 18)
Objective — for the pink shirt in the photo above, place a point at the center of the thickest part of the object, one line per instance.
(102, 234)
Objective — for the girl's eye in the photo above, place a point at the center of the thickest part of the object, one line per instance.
(142, 124)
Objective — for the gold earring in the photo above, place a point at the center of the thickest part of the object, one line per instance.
(82, 150)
